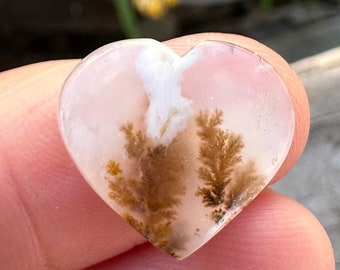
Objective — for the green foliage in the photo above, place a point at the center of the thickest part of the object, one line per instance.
(267, 5)
(127, 18)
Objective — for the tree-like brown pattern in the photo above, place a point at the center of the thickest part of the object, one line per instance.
(226, 183)
(152, 183)
(152, 189)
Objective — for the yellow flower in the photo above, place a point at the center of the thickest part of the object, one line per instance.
(154, 9)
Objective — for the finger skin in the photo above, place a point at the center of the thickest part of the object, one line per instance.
(50, 218)
(274, 232)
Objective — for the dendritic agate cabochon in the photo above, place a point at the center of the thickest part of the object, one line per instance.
(176, 145)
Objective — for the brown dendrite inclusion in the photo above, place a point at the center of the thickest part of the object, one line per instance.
(152, 188)
(226, 184)
(153, 184)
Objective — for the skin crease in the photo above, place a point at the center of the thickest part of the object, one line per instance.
(51, 219)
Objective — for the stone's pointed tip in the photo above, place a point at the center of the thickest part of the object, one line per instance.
(177, 146)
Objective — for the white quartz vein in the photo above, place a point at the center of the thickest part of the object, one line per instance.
(161, 71)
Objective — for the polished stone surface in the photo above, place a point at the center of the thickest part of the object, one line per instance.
(159, 135)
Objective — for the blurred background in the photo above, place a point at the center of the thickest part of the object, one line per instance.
(306, 33)
(40, 30)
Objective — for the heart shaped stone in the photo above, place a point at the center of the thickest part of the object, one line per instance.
(176, 145)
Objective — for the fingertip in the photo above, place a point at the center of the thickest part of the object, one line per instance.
(274, 232)
(55, 218)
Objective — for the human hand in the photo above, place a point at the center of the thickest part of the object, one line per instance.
(51, 219)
